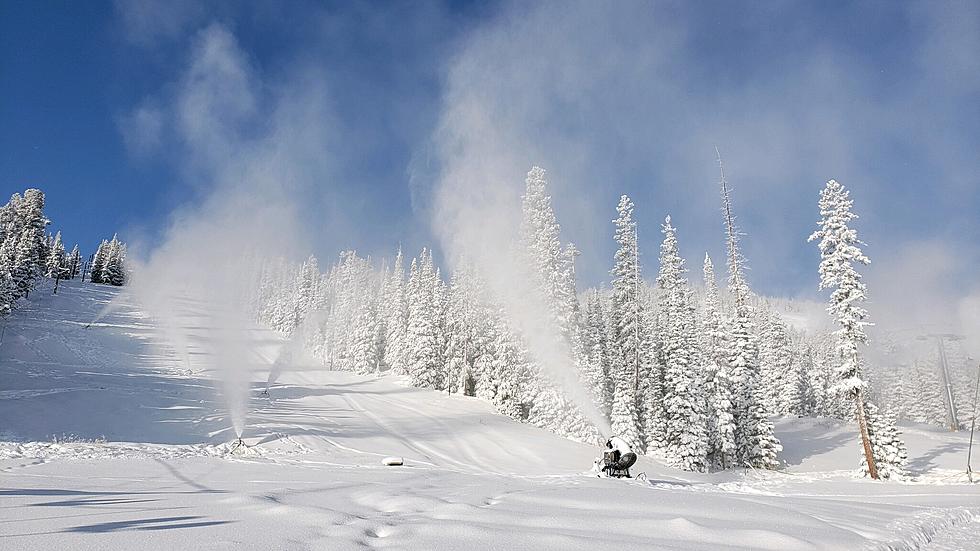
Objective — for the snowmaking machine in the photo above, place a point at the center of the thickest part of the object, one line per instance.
(615, 459)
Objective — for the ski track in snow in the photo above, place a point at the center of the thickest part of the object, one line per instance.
(142, 458)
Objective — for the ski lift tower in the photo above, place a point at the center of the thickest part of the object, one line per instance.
(945, 382)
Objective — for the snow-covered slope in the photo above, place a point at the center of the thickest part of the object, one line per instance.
(113, 441)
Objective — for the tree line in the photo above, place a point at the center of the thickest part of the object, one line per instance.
(692, 374)
(29, 253)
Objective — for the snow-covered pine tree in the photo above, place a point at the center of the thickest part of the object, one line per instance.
(686, 441)
(839, 252)
(424, 358)
(756, 445)
(456, 356)
(600, 382)
(74, 262)
(98, 262)
(9, 219)
(804, 367)
(507, 374)
(9, 235)
(396, 324)
(925, 403)
(28, 265)
(550, 267)
(32, 247)
(551, 271)
(779, 384)
(627, 333)
(56, 258)
(114, 270)
(364, 353)
(7, 289)
(721, 421)
(822, 379)
(306, 289)
(890, 453)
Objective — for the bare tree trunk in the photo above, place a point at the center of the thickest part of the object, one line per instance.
(865, 437)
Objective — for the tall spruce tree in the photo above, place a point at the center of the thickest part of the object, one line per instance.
(722, 448)
(424, 355)
(756, 444)
(114, 269)
(685, 441)
(839, 252)
(551, 272)
(98, 262)
(396, 324)
(626, 344)
(56, 258)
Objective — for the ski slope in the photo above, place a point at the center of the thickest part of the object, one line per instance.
(111, 439)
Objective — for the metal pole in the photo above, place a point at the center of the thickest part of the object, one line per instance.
(973, 426)
(954, 423)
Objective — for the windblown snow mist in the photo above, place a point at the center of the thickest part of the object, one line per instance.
(197, 286)
(477, 225)
(254, 151)
(477, 213)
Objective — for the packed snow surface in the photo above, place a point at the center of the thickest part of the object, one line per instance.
(112, 439)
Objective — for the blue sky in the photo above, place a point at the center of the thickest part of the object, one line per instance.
(384, 114)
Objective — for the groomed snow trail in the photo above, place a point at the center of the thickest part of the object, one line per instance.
(142, 461)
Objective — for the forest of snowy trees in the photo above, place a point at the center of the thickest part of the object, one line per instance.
(29, 254)
(691, 373)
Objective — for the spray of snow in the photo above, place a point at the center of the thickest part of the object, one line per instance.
(252, 153)
(477, 208)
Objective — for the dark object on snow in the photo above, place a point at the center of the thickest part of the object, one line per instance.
(618, 465)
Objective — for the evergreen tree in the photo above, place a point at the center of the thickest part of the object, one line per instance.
(424, 358)
(30, 254)
(779, 380)
(839, 251)
(599, 376)
(626, 317)
(396, 324)
(74, 262)
(306, 290)
(756, 445)
(114, 269)
(890, 453)
(551, 268)
(686, 439)
(98, 262)
(7, 289)
(721, 427)
(506, 373)
(56, 258)
(551, 271)
(805, 369)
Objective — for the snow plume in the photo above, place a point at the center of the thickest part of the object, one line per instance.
(628, 97)
(251, 152)
(477, 224)
(484, 154)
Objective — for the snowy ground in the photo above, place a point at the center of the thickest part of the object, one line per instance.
(111, 441)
